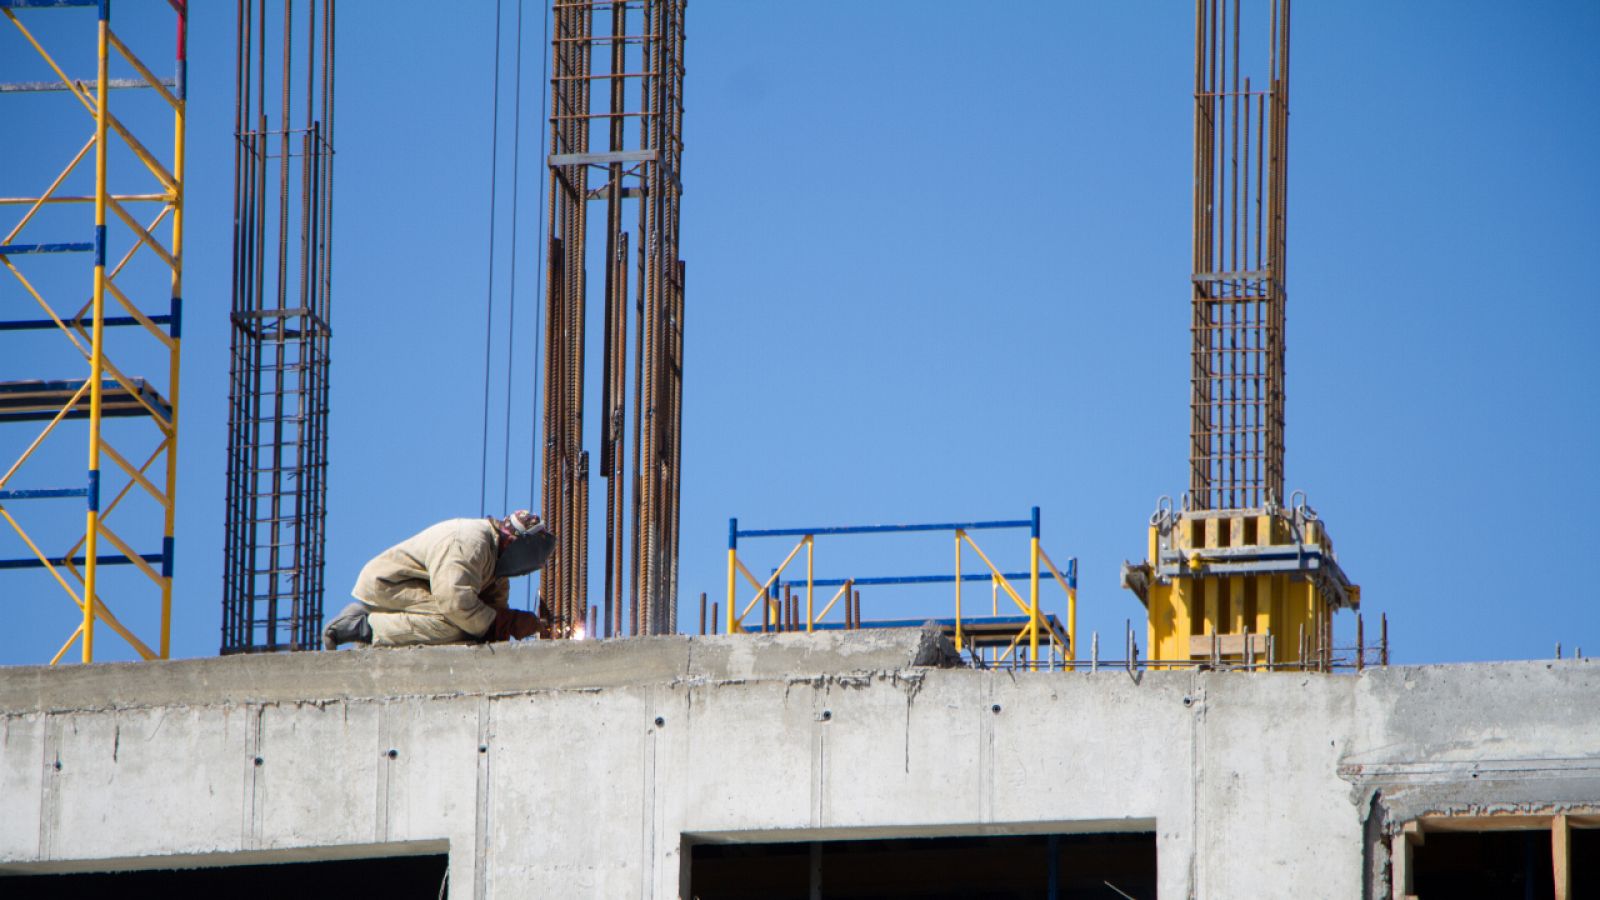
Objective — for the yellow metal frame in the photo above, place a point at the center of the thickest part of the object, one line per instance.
(1037, 630)
(168, 203)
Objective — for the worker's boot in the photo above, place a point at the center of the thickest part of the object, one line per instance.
(350, 626)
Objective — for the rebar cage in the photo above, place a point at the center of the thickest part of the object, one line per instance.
(633, 50)
(135, 268)
(282, 300)
(1240, 177)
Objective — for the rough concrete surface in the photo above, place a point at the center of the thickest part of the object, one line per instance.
(583, 768)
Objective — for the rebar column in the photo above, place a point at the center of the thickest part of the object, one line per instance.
(634, 50)
(1240, 175)
(282, 279)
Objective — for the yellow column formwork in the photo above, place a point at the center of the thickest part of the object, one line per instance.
(1245, 586)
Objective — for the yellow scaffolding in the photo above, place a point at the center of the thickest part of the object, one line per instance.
(104, 391)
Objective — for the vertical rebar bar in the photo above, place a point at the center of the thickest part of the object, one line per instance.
(1361, 644)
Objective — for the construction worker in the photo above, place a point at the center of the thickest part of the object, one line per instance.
(449, 584)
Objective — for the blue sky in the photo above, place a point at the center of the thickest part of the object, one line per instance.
(938, 270)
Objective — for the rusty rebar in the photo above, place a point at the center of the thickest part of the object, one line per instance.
(1361, 644)
(641, 51)
(1240, 135)
(277, 420)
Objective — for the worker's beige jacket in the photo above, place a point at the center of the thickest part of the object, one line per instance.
(435, 588)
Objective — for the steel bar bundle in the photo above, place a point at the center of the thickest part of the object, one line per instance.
(1240, 175)
(97, 256)
(282, 278)
(616, 77)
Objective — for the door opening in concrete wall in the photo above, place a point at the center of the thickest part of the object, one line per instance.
(392, 878)
(1062, 866)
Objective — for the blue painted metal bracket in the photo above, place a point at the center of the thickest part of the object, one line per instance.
(45, 4)
(20, 249)
(882, 529)
(967, 623)
(879, 580)
(33, 563)
(46, 324)
(44, 493)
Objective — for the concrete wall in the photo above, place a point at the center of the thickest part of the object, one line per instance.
(579, 769)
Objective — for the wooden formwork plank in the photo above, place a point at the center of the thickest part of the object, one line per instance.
(1561, 855)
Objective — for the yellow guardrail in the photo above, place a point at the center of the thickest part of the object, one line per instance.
(1032, 630)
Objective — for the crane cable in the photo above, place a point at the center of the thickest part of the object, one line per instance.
(488, 337)
(511, 297)
(538, 308)
(488, 326)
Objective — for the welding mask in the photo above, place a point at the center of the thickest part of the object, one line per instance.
(528, 552)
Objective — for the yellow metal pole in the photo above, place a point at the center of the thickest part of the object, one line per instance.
(97, 345)
(1072, 624)
(810, 543)
(733, 563)
(828, 607)
(1152, 639)
(175, 330)
(771, 580)
(959, 637)
(1071, 587)
(995, 573)
(1033, 590)
(65, 647)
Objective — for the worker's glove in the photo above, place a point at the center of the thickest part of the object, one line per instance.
(496, 594)
(513, 623)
